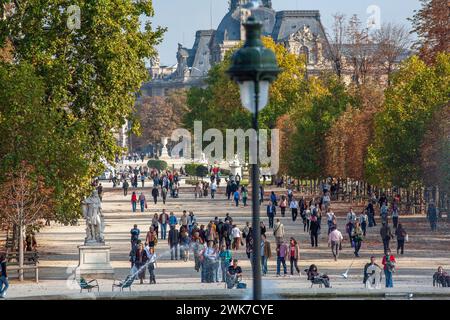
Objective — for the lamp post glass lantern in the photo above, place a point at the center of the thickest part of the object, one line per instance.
(254, 67)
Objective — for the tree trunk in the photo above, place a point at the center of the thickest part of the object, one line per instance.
(21, 251)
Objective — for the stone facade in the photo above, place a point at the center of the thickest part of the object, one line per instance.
(300, 31)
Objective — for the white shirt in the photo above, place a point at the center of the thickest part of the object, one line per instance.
(236, 232)
(351, 216)
(330, 216)
(294, 204)
(213, 186)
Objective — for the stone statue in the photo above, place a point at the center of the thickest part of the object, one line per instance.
(95, 225)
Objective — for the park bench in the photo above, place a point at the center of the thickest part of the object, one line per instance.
(124, 284)
(30, 262)
(88, 285)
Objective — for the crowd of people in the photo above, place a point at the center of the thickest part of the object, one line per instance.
(215, 244)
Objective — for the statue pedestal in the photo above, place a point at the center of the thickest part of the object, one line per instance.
(164, 154)
(235, 169)
(95, 262)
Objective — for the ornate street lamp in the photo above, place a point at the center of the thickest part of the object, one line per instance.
(254, 67)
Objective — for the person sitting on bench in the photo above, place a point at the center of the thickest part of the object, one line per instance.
(234, 275)
(316, 278)
(441, 278)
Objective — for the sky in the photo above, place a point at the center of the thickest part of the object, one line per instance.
(184, 17)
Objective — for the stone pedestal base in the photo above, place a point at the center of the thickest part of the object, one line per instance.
(164, 154)
(95, 262)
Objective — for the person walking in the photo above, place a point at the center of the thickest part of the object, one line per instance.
(125, 186)
(351, 219)
(142, 180)
(306, 217)
(142, 202)
(278, 232)
(140, 261)
(213, 189)
(135, 232)
(263, 227)
(164, 194)
(363, 218)
(4, 284)
(371, 214)
(266, 253)
(151, 239)
(273, 198)
(173, 241)
(335, 241)
(134, 201)
(236, 234)
(197, 248)
(294, 255)
(184, 220)
(271, 212)
(282, 253)
(395, 215)
(283, 205)
(389, 264)
(192, 220)
(236, 197)
(357, 237)
(294, 209)
(163, 219)
(401, 235)
(210, 256)
(331, 217)
(244, 196)
(155, 223)
(172, 219)
(225, 260)
(386, 235)
(314, 231)
(151, 264)
(432, 216)
(155, 194)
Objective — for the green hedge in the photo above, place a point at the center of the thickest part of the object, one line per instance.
(196, 170)
(157, 164)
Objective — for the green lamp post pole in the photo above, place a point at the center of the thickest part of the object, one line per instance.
(254, 67)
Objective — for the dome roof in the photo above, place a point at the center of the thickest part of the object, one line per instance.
(230, 27)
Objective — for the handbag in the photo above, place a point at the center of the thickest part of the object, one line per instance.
(407, 238)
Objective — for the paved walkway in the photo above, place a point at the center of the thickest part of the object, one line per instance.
(59, 253)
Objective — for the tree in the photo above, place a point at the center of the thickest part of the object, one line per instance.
(219, 106)
(24, 199)
(417, 91)
(360, 52)
(435, 155)
(431, 23)
(337, 42)
(391, 41)
(158, 117)
(31, 132)
(90, 76)
(307, 145)
(348, 139)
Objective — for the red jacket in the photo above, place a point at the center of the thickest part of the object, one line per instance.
(134, 198)
(391, 258)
